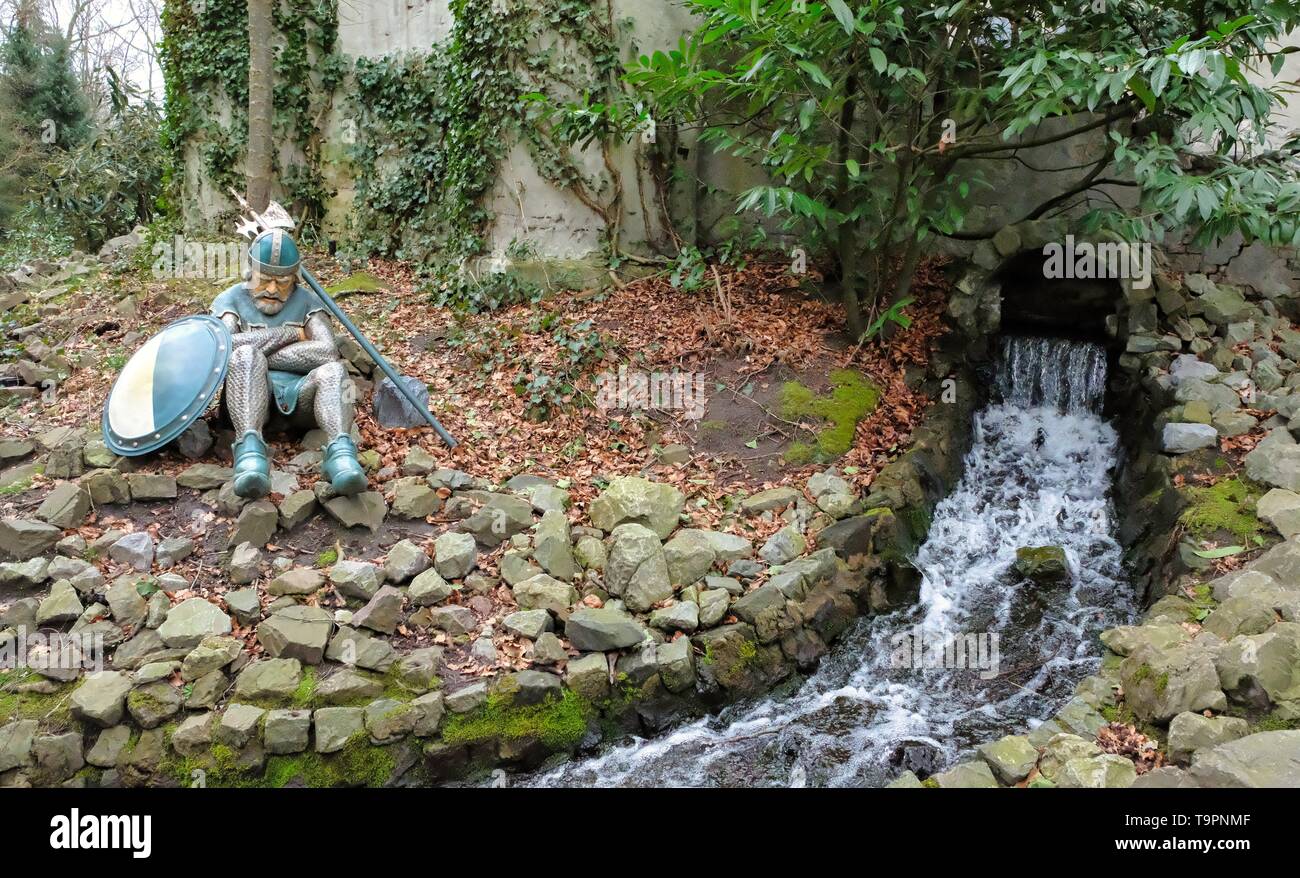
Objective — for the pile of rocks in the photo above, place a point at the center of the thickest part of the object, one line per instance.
(630, 612)
(1219, 692)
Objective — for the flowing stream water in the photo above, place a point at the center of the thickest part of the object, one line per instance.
(1038, 473)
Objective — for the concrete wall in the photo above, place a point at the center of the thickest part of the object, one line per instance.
(556, 225)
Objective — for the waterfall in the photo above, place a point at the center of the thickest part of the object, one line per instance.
(982, 654)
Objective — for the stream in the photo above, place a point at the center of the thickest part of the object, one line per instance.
(896, 691)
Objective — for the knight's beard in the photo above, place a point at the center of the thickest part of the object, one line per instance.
(268, 305)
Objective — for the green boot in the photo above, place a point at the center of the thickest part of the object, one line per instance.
(252, 467)
(341, 467)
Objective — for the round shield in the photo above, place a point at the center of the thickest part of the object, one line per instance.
(166, 385)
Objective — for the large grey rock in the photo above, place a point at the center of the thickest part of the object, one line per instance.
(392, 409)
(966, 775)
(499, 518)
(151, 486)
(404, 561)
(256, 524)
(783, 546)
(363, 510)
(769, 500)
(428, 589)
(297, 632)
(107, 487)
(454, 620)
(1264, 759)
(286, 731)
(16, 743)
(382, 613)
(542, 592)
(347, 685)
(632, 499)
(356, 579)
(135, 549)
(65, 506)
(1042, 564)
(1161, 683)
(528, 623)
(196, 441)
(205, 476)
(172, 550)
(112, 741)
(244, 565)
(153, 704)
(25, 574)
(388, 720)
(298, 581)
(101, 698)
(56, 758)
(1262, 668)
(637, 570)
(1126, 639)
(296, 508)
(238, 725)
(1275, 461)
(335, 726)
(418, 669)
(1180, 438)
(1215, 396)
(22, 538)
(1011, 758)
(553, 547)
(1189, 732)
(454, 554)
(690, 555)
(413, 499)
(1104, 771)
(213, 654)
(61, 606)
(588, 675)
(679, 616)
(601, 630)
(675, 661)
(268, 679)
(1281, 509)
(192, 620)
(1187, 366)
(125, 601)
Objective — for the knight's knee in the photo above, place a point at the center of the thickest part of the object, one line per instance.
(244, 355)
(331, 372)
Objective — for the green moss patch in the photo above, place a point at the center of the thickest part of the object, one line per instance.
(560, 723)
(53, 710)
(357, 282)
(1228, 506)
(850, 399)
(358, 764)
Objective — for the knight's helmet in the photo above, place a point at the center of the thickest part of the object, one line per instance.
(274, 254)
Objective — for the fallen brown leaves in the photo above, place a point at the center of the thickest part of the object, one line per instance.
(1127, 741)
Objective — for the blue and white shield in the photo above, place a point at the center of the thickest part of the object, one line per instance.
(166, 385)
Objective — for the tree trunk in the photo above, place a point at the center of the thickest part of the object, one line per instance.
(844, 239)
(260, 109)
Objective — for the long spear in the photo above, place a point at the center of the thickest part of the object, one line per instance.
(276, 217)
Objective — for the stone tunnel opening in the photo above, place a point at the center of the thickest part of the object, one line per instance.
(1035, 304)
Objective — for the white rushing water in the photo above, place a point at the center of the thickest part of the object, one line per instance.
(1038, 474)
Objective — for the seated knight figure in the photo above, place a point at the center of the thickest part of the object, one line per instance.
(285, 356)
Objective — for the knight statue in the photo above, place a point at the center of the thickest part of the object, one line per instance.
(284, 355)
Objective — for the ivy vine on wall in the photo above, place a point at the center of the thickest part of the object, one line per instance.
(433, 129)
(204, 58)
